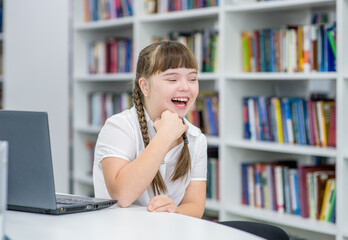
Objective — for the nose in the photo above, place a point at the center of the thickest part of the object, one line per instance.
(183, 85)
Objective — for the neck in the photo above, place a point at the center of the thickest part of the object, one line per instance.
(150, 113)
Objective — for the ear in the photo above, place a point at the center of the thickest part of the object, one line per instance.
(144, 86)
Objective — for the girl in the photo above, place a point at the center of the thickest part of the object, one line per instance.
(150, 155)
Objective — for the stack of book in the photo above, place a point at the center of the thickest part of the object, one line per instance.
(302, 48)
(95, 10)
(205, 113)
(164, 6)
(114, 55)
(290, 120)
(203, 43)
(307, 191)
(102, 105)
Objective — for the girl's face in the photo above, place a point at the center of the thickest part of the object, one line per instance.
(174, 89)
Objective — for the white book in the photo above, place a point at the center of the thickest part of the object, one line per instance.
(198, 50)
(251, 114)
(279, 189)
(251, 185)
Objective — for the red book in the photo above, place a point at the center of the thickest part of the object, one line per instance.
(332, 127)
(257, 50)
(114, 56)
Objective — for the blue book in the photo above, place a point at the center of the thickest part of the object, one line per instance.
(267, 37)
(271, 51)
(211, 116)
(246, 118)
(322, 48)
(245, 190)
(265, 126)
(288, 120)
(331, 59)
(306, 122)
(297, 196)
(261, 130)
(285, 129)
(301, 121)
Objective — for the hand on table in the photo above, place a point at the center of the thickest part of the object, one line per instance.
(162, 203)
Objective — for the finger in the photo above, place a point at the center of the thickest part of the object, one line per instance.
(159, 201)
(165, 208)
(186, 127)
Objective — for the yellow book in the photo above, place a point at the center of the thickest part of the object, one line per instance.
(325, 200)
(246, 51)
(331, 202)
(321, 123)
(300, 48)
(278, 118)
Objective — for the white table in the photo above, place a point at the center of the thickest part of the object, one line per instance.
(116, 223)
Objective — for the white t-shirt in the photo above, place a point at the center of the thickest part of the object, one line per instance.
(121, 137)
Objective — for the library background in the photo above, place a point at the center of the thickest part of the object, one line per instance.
(273, 99)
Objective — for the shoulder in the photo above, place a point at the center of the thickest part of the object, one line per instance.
(126, 117)
(197, 140)
(194, 132)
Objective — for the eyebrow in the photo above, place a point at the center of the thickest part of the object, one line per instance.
(169, 74)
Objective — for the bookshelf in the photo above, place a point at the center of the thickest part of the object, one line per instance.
(232, 84)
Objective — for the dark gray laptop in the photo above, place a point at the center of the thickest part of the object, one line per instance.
(30, 172)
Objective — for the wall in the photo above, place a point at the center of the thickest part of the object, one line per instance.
(36, 70)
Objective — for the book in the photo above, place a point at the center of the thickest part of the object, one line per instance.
(320, 178)
(303, 185)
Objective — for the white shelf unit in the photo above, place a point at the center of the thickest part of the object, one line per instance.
(231, 84)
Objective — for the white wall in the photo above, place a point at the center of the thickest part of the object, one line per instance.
(36, 70)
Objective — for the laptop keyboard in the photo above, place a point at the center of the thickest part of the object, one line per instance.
(67, 200)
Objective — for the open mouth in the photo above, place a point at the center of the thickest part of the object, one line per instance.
(181, 102)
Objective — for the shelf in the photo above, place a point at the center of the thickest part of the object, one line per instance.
(208, 76)
(283, 148)
(82, 178)
(88, 129)
(199, 13)
(284, 219)
(282, 76)
(345, 233)
(112, 23)
(213, 141)
(278, 5)
(212, 205)
(105, 77)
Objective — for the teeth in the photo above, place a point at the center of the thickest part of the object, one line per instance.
(180, 99)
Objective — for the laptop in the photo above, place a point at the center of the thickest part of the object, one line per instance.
(30, 172)
(3, 185)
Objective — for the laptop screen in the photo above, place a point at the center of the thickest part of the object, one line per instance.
(30, 172)
(3, 184)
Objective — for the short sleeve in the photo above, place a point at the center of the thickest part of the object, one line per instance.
(116, 139)
(199, 168)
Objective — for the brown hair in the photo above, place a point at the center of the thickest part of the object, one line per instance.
(155, 58)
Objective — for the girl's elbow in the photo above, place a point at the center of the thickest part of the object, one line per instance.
(123, 203)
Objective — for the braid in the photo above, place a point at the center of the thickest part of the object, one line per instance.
(157, 183)
(183, 165)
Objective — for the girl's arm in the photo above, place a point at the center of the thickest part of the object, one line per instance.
(125, 180)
